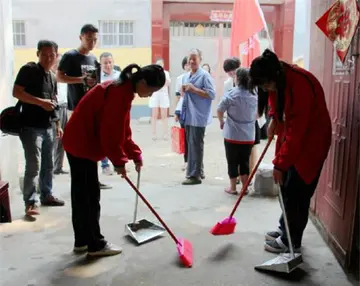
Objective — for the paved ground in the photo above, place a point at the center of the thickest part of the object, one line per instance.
(39, 252)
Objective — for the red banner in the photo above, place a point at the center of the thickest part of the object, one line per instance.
(339, 24)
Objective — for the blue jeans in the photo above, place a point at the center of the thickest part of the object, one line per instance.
(38, 144)
(105, 163)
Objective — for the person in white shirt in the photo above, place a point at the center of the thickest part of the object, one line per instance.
(230, 66)
(160, 99)
(63, 117)
(180, 98)
(107, 73)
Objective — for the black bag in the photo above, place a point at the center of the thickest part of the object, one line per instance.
(11, 121)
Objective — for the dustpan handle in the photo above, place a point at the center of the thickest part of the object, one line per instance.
(252, 174)
(287, 229)
(137, 197)
(152, 210)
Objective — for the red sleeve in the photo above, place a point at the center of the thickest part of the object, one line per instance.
(301, 100)
(132, 150)
(113, 127)
(272, 104)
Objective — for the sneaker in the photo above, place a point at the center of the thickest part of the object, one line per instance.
(80, 249)
(104, 187)
(31, 210)
(51, 201)
(277, 246)
(107, 171)
(108, 250)
(191, 181)
(272, 235)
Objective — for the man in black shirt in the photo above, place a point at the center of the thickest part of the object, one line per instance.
(75, 68)
(35, 87)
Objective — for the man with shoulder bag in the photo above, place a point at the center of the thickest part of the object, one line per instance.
(35, 88)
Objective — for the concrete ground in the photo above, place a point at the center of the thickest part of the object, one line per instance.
(39, 252)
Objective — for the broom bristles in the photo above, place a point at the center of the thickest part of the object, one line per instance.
(185, 251)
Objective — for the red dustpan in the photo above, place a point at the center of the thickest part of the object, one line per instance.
(183, 246)
(227, 225)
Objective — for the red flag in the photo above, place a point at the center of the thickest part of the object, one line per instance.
(250, 50)
(247, 21)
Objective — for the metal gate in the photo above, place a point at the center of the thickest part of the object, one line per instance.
(204, 36)
(215, 47)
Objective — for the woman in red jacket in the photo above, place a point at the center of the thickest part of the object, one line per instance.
(301, 121)
(99, 128)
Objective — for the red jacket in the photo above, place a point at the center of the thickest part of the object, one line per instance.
(100, 126)
(304, 137)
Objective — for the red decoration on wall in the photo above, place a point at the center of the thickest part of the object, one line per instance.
(339, 24)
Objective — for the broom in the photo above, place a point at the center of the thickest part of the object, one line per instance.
(227, 225)
(183, 246)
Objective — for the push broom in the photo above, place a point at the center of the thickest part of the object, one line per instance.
(227, 225)
(183, 246)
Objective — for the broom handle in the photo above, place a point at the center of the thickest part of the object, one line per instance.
(287, 229)
(152, 210)
(136, 198)
(252, 174)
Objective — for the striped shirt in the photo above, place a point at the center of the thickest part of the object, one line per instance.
(241, 108)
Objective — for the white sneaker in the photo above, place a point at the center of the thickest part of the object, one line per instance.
(108, 250)
(107, 171)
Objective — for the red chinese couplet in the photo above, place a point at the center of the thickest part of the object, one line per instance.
(339, 24)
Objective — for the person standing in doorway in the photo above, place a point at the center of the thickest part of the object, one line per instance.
(180, 98)
(108, 72)
(206, 67)
(35, 88)
(199, 92)
(63, 117)
(160, 100)
(75, 67)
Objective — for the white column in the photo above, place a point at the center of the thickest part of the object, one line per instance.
(9, 145)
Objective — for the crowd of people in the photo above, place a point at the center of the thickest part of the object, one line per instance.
(71, 104)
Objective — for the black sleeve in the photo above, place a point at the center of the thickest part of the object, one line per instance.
(65, 63)
(24, 76)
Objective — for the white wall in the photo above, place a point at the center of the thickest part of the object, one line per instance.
(302, 31)
(9, 145)
(61, 20)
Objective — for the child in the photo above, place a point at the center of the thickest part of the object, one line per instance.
(239, 128)
(99, 128)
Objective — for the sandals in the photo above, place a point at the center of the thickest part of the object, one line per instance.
(230, 191)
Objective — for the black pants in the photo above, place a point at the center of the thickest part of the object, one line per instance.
(238, 157)
(85, 203)
(296, 195)
(186, 147)
(58, 147)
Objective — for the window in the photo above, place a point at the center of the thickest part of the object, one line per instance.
(116, 33)
(19, 33)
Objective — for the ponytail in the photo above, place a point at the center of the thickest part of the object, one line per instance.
(268, 68)
(154, 75)
(127, 73)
